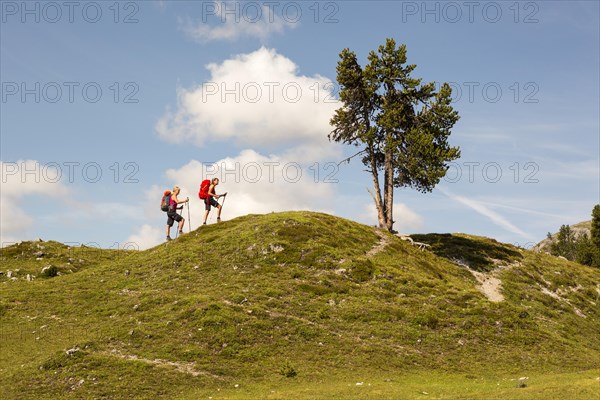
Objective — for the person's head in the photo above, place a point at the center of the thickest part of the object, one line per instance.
(215, 181)
(176, 190)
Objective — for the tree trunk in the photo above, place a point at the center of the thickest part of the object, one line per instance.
(377, 194)
(389, 185)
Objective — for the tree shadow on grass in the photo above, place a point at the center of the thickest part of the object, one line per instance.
(478, 253)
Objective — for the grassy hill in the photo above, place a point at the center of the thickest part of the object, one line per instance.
(298, 305)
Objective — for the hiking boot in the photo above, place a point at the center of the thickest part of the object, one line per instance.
(169, 238)
(204, 223)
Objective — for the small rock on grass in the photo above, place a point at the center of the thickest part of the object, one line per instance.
(72, 351)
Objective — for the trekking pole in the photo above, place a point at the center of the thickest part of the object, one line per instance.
(189, 220)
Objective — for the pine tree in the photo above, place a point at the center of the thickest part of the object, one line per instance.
(595, 231)
(403, 125)
(565, 244)
(585, 250)
(591, 250)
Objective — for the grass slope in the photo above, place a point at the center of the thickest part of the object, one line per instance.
(298, 305)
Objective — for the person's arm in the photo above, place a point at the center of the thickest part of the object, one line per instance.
(211, 192)
(176, 200)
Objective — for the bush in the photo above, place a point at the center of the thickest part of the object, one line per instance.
(323, 313)
(428, 319)
(362, 269)
(288, 370)
(50, 271)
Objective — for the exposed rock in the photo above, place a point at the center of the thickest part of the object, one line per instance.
(275, 248)
(49, 271)
(72, 351)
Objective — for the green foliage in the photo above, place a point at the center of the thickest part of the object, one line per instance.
(362, 269)
(323, 313)
(583, 249)
(565, 244)
(595, 231)
(586, 252)
(402, 123)
(288, 370)
(428, 318)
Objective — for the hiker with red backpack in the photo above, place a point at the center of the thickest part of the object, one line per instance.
(207, 193)
(169, 204)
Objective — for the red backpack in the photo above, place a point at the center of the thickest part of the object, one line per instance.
(203, 193)
(166, 201)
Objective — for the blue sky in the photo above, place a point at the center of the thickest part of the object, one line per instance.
(525, 78)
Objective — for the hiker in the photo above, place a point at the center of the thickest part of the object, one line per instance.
(209, 196)
(172, 212)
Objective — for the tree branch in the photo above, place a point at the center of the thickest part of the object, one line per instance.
(372, 195)
(351, 157)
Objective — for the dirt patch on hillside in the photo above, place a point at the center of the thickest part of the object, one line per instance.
(184, 367)
(489, 283)
(384, 240)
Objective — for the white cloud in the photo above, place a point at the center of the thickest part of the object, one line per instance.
(21, 180)
(564, 148)
(237, 20)
(487, 212)
(146, 236)
(586, 170)
(255, 99)
(405, 219)
(256, 184)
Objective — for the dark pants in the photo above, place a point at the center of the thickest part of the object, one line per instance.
(173, 216)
